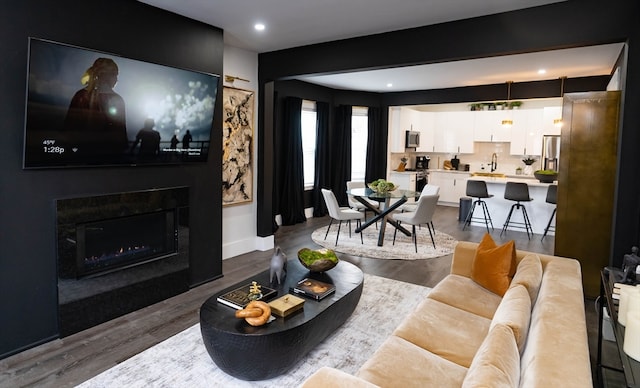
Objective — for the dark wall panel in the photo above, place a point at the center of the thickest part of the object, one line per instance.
(27, 217)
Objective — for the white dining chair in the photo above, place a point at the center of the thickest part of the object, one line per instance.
(355, 204)
(426, 208)
(428, 189)
(340, 214)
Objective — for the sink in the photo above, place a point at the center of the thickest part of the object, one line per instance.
(489, 174)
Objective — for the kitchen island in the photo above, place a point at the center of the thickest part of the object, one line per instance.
(538, 210)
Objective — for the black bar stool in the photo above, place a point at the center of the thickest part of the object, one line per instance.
(478, 190)
(519, 192)
(552, 197)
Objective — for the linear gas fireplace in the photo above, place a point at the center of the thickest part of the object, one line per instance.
(120, 252)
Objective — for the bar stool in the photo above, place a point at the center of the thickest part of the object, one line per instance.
(478, 190)
(518, 192)
(552, 197)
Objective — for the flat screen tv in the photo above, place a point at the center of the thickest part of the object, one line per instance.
(90, 108)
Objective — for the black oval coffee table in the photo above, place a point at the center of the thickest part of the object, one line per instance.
(260, 353)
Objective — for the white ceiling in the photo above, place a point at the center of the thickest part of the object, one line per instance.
(302, 22)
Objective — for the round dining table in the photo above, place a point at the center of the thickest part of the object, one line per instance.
(361, 194)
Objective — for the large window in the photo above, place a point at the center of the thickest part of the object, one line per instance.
(359, 137)
(309, 121)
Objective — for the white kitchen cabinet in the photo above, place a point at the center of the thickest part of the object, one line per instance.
(453, 185)
(401, 120)
(427, 132)
(526, 132)
(404, 180)
(453, 132)
(488, 126)
(550, 114)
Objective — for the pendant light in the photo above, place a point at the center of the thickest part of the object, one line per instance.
(507, 123)
(558, 122)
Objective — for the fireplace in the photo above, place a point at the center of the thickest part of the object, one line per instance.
(120, 252)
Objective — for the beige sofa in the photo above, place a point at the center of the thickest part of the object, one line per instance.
(463, 335)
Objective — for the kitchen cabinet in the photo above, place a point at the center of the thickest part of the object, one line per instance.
(453, 132)
(404, 180)
(526, 132)
(550, 114)
(427, 132)
(488, 126)
(401, 120)
(395, 132)
(453, 185)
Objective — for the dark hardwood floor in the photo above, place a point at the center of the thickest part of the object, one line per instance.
(69, 361)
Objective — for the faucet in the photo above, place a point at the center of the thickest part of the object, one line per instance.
(494, 162)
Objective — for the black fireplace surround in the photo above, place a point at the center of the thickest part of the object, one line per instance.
(120, 252)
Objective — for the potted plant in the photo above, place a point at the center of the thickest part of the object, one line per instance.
(528, 161)
(546, 176)
(515, 104)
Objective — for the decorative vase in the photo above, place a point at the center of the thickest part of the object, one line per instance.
(528, 170)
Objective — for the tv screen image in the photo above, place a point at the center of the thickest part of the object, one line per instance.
(90, 108)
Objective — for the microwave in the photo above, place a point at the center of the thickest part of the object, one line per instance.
(412, 139)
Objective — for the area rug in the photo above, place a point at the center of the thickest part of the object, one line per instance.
(183, 361)
(403, 249)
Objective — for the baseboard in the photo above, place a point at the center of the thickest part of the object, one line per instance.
(241, 247)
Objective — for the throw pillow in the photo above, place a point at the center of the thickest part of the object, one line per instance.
(492, 265)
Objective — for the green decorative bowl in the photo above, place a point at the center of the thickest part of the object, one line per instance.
(320, 260)
(546, 176)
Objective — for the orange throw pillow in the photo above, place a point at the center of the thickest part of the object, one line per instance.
(492, 265)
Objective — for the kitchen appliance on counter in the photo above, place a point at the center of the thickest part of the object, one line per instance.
(422, 162)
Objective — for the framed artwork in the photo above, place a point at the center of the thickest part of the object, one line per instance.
(237, 146)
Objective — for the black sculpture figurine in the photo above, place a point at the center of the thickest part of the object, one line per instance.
(629, 266)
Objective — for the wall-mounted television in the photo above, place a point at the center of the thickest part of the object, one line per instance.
(90, 108)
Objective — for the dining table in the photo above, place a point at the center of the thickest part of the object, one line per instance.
(364, 194)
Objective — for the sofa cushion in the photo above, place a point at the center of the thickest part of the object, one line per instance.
(399, 363)
(465, 294)
(515, 312)
(529, 274)
(493, 265)
(335, 378)
(497, 363)
(445, 330)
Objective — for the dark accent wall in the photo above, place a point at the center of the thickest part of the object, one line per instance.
(572, 23)
(28, 295)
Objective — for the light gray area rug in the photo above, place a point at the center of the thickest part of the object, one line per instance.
(183, 361)
(403, 249)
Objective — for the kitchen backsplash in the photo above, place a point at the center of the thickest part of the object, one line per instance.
(481, 157)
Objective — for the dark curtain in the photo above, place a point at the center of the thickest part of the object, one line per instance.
(376, 147)
(292, 189)
(322, 174)
(341, 153)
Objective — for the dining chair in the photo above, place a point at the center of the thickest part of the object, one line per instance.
(423, 215)
(340, 214)
(355, 204)
(428, 189)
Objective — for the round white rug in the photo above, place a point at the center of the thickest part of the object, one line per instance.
(402, 250)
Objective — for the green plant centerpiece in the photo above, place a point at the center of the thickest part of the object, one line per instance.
(382, 186)
(546, 176)
(319, 260)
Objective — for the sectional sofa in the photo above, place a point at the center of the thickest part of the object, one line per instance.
(466, 334)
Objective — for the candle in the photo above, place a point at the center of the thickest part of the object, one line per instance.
(625, 293)
(632, 335)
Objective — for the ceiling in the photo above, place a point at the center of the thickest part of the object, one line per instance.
(303, 22)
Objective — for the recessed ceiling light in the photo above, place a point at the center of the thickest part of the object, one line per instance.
(259, 27)
(542, 71)
(389, 85)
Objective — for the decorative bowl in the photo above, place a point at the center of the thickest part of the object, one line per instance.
(382, 186)
(319, 260)
(546, 176)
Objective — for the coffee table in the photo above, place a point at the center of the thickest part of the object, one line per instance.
(259, 353)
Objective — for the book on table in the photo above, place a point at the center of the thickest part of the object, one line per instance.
(313, 288)
(239, 298)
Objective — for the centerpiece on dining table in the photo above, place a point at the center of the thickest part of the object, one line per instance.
(382, 186)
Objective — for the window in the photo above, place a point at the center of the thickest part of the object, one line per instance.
(359, 137)
(309, 121)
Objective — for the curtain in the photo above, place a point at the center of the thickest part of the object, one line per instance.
(322, 174)
(341, 153)
(376, 147)
(292, 189)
